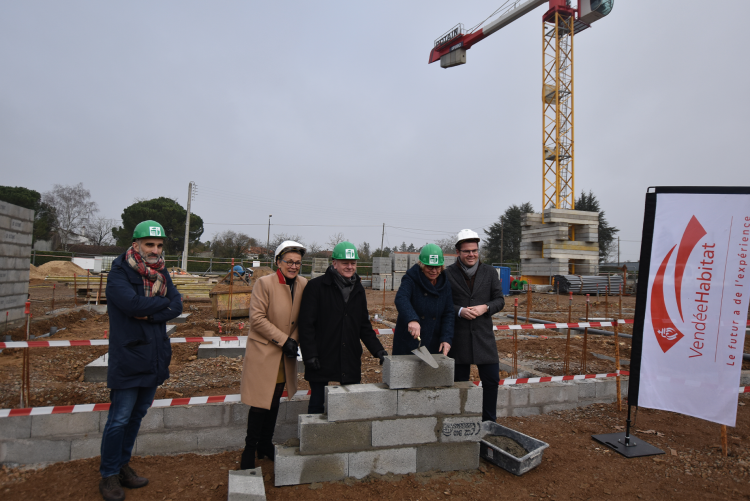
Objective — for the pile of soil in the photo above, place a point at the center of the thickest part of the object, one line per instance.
(507, 444)
(60, 269)
(34, 273)
(261, 272)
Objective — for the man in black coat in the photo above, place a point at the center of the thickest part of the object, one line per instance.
(477, 295)
(333, 319)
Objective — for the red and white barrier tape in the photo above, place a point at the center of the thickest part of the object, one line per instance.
(380, 332)
(548, 379)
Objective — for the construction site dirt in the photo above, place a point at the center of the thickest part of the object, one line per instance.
(574, 467)
(57, 373)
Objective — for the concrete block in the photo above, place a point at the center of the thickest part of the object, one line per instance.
(404, 431)
(606, 388)
(377, 282)
(239, 413)
(284, 431)
(96, 371)
(15, 427)
(427, 402)
(319, 436)
(525, 411)
(294, 408)
(461, 429)
(246, 485)
(169, 442)
(199, 416)
(449, 260)
(27, 451)
(471, 397)
(398, 461)
(503, 411)
(224, 438)
(566, 406)
(503, 398)
(519, 395)
(586, 389)
(397, 276)
(292, 468)
(360, 401)
(82, 448)
(64, 424)
(552, 393)
(408, 371)
(381, 266)
(448, 457)
(399, 262)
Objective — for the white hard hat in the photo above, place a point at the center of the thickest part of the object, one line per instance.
(289, 246)
(465, 235)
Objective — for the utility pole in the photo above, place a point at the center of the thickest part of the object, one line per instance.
(382, 237)
(618, 251)
(502, 229)
(268, 237)
(187, 228)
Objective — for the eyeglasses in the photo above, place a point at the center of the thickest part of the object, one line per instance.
(292, 264)
(471, 251)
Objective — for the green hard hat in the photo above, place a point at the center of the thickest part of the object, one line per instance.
(431, 255)
(345, 250)
(149, 229)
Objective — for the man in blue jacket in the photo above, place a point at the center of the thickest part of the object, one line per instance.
(140, 301)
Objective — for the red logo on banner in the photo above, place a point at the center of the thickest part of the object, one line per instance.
(667, 333)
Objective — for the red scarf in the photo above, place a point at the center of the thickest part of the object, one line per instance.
(154, 282)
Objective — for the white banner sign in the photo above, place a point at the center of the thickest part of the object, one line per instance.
(696, 312)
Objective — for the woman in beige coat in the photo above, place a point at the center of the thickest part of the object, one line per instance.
(271, 352)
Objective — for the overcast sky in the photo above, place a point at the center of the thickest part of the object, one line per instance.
(327, 115)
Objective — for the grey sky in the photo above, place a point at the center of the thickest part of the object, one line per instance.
(327, 113)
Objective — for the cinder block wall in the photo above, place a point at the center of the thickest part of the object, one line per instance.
(220, 427)
(16, 224)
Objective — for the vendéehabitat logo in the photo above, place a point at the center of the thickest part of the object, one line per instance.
(666, 332)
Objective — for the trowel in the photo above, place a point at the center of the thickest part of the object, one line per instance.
(423, 353)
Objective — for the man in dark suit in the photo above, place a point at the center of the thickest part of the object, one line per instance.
(477, 295)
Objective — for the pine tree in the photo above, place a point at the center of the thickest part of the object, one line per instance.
(606, 232)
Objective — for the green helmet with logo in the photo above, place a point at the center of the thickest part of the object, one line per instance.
(345, 250)
(149, 229)
(431, 255)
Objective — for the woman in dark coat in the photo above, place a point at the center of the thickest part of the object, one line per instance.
(425, 306)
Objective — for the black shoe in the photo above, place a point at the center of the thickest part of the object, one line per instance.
(266, 450)
(130, 479)
(110, 489)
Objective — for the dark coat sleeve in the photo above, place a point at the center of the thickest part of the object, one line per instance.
(120, 292)
(308, 317)
(174, 309)
(449, 317)
(366, 332)
(404, 298)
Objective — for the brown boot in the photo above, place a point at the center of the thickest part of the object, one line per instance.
(130, 479)
(110, 489)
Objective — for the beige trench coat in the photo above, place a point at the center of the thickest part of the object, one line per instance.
(273, 319)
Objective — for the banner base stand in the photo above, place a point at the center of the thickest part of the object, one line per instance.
(635, 449)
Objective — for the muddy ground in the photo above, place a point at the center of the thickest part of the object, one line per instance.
(57, 373)
(574, 467)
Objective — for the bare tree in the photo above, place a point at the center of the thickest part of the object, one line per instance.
(364, 251)
(313, 249)
(98, 230)
(280, 237)
(231, 244)
(73, 208)
(447, 245)
(335, 239)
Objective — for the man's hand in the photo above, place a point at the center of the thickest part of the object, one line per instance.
(444, 348)
(480, 309)
(381, 355)
(313, 364)
(468, 313)
(414, 329)
(290, 348)
(141, 318)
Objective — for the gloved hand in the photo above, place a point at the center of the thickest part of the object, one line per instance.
(381, 355)
(313, 364)
(290, 348)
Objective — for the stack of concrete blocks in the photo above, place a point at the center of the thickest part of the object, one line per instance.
(16, 224)
(319, 266)
(246, 485)
(399, 264)
(449, 259)
(417, 420)
(547, 249)
(382, 270)
(412, 259)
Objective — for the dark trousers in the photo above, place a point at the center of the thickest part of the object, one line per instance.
(126, 410)
(489, 374)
